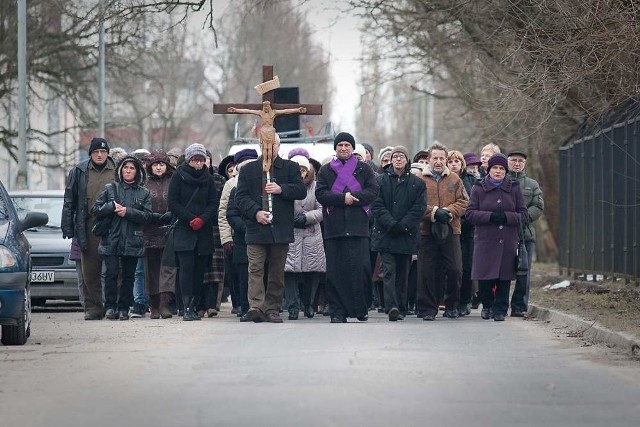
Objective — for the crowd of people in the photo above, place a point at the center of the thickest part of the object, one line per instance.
(415, 235)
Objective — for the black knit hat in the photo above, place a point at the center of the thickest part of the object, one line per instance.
(98, 144)
(344, 137)
(498, 159)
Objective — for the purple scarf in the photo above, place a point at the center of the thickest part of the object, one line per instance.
(345, 180)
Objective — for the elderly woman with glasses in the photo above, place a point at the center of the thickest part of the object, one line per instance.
(193, 200)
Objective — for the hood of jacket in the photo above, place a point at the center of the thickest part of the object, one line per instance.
(141, 173)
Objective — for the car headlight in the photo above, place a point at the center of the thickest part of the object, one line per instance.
(7, 259)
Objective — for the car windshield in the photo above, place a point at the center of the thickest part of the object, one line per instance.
(52, 206)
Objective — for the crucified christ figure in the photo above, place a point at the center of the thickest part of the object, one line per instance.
(267, 131)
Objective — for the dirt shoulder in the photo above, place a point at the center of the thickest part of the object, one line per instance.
(612, 303)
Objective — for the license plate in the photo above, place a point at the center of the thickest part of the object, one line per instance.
(43, 276)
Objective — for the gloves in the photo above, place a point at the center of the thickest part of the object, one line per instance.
(227, 248)
(196, 223)
(155, 217)
(397, 229)
(442, 215)
(300, 221)
(166, 218)
(498, 218)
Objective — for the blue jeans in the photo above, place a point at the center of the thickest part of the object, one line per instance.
(139, 297)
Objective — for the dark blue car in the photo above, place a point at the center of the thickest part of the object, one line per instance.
(15, 271)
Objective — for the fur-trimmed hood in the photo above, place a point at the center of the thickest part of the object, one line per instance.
(141, 173)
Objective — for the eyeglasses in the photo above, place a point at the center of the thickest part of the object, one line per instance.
(103, 152)
(517, 160)
(398, 157)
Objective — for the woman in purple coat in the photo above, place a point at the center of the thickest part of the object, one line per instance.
(496, 208)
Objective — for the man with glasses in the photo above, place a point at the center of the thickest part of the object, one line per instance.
(85, 182)
(397, 212)
(532, 193)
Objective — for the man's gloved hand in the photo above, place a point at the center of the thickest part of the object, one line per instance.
(397, 229)
(300, 220)
(442, 215)
(498, 218)
(166, 218)
(196, 223)
(227, 248)
(155, 217)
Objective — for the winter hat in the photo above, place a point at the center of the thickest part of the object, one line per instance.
(194, 150)
(517, 152)
(361, 151)
(400, 149)
(344, 137)
(224, 163)
(420, 155)
(298, 151)
(316, 164)
(498, 159)
(159, 156)
(242, 155)
(141, 152)
(98, 144)
(386, 150)
(369, 148)
(302, 161)
(471, 159)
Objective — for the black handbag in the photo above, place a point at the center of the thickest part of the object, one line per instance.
(522, 256)
(168, 254)
(101, 226)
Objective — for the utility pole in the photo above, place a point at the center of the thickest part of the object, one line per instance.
(22, 178)
(101, 75)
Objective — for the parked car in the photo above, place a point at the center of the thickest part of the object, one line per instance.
(15, 270)
(53, 275)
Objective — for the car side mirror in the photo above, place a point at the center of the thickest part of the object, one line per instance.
(34, 219)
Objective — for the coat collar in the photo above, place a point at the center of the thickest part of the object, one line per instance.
(506, 185)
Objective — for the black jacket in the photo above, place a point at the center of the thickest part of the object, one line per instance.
(125, 236)
(74, 210)
(466, 228)
(402, 200)
(249, 199)
(237, 223)
(204, 205)
(339, 219)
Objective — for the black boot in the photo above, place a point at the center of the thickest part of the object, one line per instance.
(189, 309)
(194, 307)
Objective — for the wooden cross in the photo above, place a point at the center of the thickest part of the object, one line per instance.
(267, 74)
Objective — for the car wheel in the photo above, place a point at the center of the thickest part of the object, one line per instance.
(18, 334)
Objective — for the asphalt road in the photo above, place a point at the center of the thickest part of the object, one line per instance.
(219, 372)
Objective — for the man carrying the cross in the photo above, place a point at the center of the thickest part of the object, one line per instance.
(267, 206)
(346, 188)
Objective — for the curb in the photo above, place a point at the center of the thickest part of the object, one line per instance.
(587, 329)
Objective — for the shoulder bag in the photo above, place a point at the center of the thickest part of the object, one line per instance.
(101, 226)
(168, 255)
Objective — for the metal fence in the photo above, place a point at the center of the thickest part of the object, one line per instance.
(600, 201)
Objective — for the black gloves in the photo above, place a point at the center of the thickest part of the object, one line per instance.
(155, 217)
(397, 229)
(498, 218)
(442, 215)
(166, 218)
(300, 220)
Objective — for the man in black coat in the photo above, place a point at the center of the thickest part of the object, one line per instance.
(268, 213)
(84, 184)
(397, 212)
(346, 188)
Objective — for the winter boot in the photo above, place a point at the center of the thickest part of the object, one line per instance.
(164, 309)
(189, 311)
(194, 307)
(155, 306)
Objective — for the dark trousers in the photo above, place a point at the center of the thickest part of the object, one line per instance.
(269, 300)
(439, 273)
(152, 259)
(466, 285)
(520, 297)
(396, 275)
(191, 272)
(411, 285)
(242, 271)
(231, 280)
(120, 298)
(92, 276)
(498, 301)
(294, 283)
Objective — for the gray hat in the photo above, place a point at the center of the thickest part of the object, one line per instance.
(194, 150)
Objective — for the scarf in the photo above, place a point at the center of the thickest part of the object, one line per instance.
(344, 177)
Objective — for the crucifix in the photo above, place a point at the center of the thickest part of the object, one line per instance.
(267, 111)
